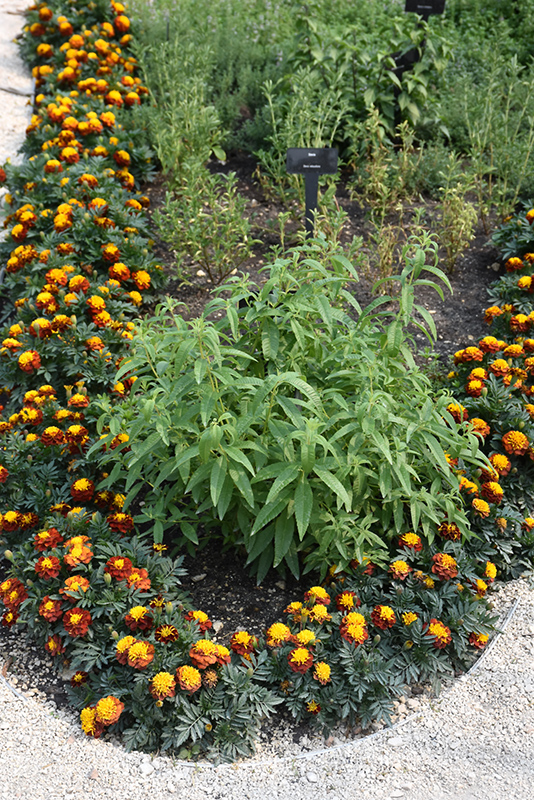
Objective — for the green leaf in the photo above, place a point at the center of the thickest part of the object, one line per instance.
(284, 479)
(217, 478)
(284, 530)
(270, 339)
(334, 484)
(267, 514)
(303, 506)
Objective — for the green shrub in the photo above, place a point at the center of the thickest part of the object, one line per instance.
(305, 435)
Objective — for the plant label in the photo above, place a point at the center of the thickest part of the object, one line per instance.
(311, 162)
(425, 7)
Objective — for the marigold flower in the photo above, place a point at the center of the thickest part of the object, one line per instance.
(50, 609)
(203, 653)
(501, 464)
(201, 618)
(76, 621)
(318, 613)
(513, 351)
(139, 619)
(515, 443)
(162, 685)
(48, 567)
(119, 567)
(140, 655)
(82, 490)
(353, 629)
(189, 679)
(490, 572)
(411, 541)
(11, 521)
(73, 586)
(383, 617)
(300, 659)
(399, 570)
(79, 678)
(481, 507)
(120, 522)
(122, 647)
(108, 710)
(489, 344)
(9, 618)
(492, 492)
(445, 567)
(513, 264)
(29, 361)
(450, 531)
(408, 617)
(138, 579)
(480, 587)
(317, 595)
(15, 595)
(480, 427)
(491, 313)
(243, 643)
(457, 412)
(478, 640)
(347, 600)
(166, 633)
(306, 638)
(440, 633)
(322, 672)
(54, 645)
(277, 634)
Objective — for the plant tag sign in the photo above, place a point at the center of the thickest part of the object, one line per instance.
(425, 7)
(311, 160)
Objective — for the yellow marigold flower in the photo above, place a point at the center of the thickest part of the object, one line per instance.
(31, 437)
(322, 672)
(318, 613)
(125, 643)
(305, 637)
(277, 634)
(88, 720)
(408, 617)
(491, 571)
(354, 618)
(162, 685)
(108, 710)
(481, 507)
(138, 612)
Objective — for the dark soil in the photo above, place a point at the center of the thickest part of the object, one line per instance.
(218, 582)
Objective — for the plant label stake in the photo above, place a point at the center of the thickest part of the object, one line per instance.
(425, 7)
(311, 162)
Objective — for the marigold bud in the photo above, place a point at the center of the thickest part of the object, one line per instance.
(168, 607)
(107, 578)
(8, 554)
(114, 635)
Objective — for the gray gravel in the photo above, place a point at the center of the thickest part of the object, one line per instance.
(476, 742)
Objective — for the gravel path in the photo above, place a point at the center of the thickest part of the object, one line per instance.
(476, 742)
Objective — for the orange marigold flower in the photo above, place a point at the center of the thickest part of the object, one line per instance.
(162, 685)
(201, 618)
(166, 633)
(491, 313)
(29, 361)
(73, 586)
(48, 567)
(492, 492)
(140, 655)
(383, 617)
(141, 279)
(189, 679)
(440, 633)
(478, 640)
(138, 618)
(513, 351)
(445, 567)
(489, 344)
(120, 522)
(317, 595)
(108, 710)
(480, 427)
(481, 507)
(457, 412)
(515, 443)
(513, 264)
(78, 400)
(322, 672)
(47, 539)
(52, 436)
(243, 643)
(353, 628)
(318, 613)
(203, 653)
(76, 621)
(54, 645)
(138, 579)
(122, 647)
(300, 659)
(119, 567)
(501, 464)
(399, 570)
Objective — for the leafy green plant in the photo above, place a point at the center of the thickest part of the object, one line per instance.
(205, 220)
(298, 431)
